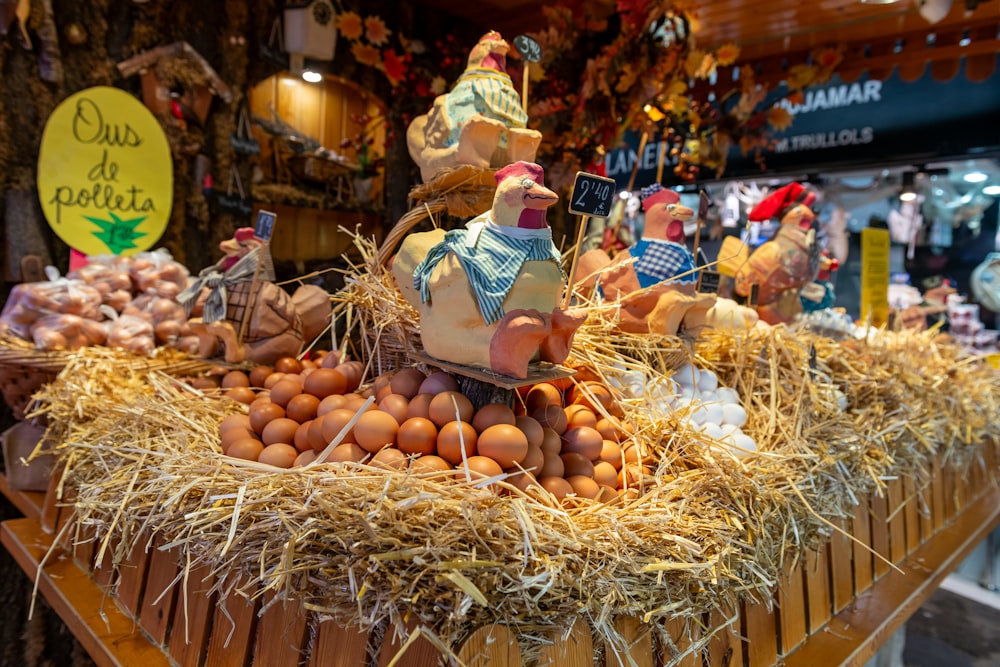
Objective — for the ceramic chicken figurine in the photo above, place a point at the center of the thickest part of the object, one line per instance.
(819, 294)
(479, 122)
(781, 266)
(278, 323)
(657, 290)
(488, 295)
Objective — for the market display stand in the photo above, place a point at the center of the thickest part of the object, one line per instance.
(836, 606)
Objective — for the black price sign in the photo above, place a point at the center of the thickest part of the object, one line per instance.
(529, 49)
(708, 282)
(592, 195)
(264, 226)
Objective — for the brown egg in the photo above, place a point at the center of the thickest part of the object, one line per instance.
(577, 464)
(204, 382)
(492, 414)
(437, 382)
(302, 437)
(521, 480)
(356, 401)
(611, 452)
(302, 408)
(533, 460)
(481, 466)
(348, 451)
(383, 383)
(584, 487)
(280, 430)
(244, 395)
(331, 425)
(634, 476)
(315, 435)
(246, 448)
(540, 396)
(450, 439)
(288, 365)
(235, 379)
(552, 466)
(395, 405)
(503, 443)
(551, 442)
(417, 436)
(304, 458)
(605, 474)
(608, 494)
(263, 396)
(331, 403)
(282, 392)
(610, 429)
(430, 465)
(583, 440)
(637, 454)
(263, 413)
(279, 455)
(553, 417)
(382, 393)
(352, 372)
(557, 486)
(273, 379)
(531, 428)
(407, 382)
(375, 429)
(232, 435)
(589, 392)
(330, 359)
(234, 421)
(579, 415)
(419, 406)
(442, 408)
(324, 382)
(390, 458)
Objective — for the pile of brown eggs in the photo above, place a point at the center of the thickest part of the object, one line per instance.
(569, 441)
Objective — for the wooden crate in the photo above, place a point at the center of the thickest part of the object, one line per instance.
(831, 607)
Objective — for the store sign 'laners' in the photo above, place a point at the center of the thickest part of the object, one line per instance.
(105, 177)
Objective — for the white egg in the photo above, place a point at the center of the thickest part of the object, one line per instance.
(711, 430)
(729, 429)
(686, 376)
(743, 445)
(714, 413)
(727, 395)
(699, 415)
(841, 399)
(707, 380)
(734, 414)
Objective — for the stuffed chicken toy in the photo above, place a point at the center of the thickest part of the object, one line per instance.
(655, 279)
(488, 295)
(479, 122)
(781, 266)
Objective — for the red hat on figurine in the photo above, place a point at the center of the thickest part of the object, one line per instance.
(522, 169)
(779, 202)
(657, 194)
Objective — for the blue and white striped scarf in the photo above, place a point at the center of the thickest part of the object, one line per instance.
(492, 256)
(486, 92)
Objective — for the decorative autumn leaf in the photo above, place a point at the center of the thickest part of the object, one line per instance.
(796, 97)
(829, 58)
(676, 87)
(118, 234)
(801, 75)
(366, 55)
(748, 81)
(394, 68)
(779, 118)
(694, 61)
(349, 25)
(375, 30)
(727, 54)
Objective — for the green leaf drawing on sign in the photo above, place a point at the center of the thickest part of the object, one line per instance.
(116, 233)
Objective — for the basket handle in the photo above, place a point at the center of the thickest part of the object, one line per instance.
(405, 224)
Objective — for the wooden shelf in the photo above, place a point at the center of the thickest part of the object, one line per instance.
(28, 503)
(110, 637)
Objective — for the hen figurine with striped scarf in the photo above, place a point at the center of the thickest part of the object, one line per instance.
(488, 295)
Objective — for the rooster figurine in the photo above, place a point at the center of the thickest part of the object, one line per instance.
(781, 266)
(657, 290)
(479, 122)
(488, 295)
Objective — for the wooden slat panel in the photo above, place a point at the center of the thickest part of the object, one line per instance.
(678, 630)
(897, 520)
(491, 646)
(925, 497)
(841, 567)
(50, 506)
(233, 626)
(640, 643)
(420, 653)
(576, 649)
(937, 495)
(192, 618)
(761, 634)
(792, 607)
(281, 633)
(948, 491)
(83, 550)
(726, 647)
(132, 576)
(911, 514)
(105, 573)
(880, 533)
(961, 494)
(336, 646)
(158, 601)
(817, 571)
(864, 573)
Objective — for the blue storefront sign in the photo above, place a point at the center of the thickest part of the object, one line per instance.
(862, 123)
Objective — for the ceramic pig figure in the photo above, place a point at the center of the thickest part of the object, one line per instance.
(479, 122)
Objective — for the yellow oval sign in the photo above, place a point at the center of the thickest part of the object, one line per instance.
(105, 177)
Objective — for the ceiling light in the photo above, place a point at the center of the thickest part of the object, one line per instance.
(992, 190)
(311, 76)
(975, 177)
(907, 191)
